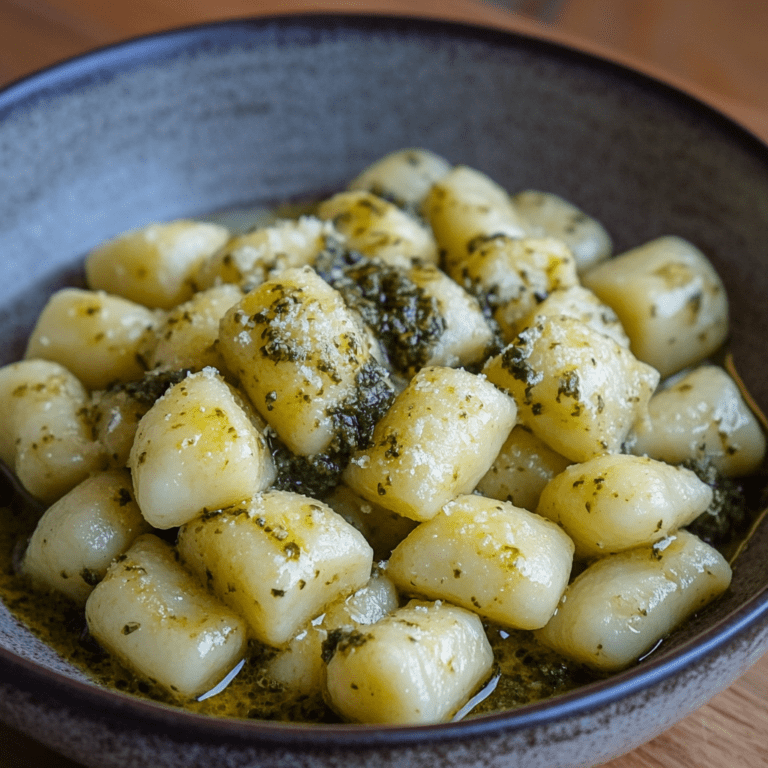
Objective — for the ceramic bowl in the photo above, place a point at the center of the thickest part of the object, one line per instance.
(210, 118)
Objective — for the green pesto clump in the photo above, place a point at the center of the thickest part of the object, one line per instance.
(353, 422)
(568, 386)
(406, 320)
(152, 387)
(276, 347)
(514, 360)
(728, 516)
(529, 671)
(341, 640)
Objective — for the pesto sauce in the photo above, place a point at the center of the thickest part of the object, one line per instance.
(528, 672)
(353, 421)
(151, 387)
(732, 512)
(60, 624)
(405, 319)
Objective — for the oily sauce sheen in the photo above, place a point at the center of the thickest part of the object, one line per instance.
(527, 671)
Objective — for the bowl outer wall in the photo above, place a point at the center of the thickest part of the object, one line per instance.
(213, 117)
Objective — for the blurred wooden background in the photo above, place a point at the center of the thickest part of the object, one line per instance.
(717, 49)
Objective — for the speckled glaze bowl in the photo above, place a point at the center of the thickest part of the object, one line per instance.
(209, 118)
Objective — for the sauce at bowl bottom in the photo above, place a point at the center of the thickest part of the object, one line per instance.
(525, 671)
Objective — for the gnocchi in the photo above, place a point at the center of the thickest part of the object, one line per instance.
(702, 416)
(515, 274)
(670, 300)
(47, 437)
(154, 265)
(437, 440)
(299, 354)
(95, 335)
(300, 667)
(80, 535)
(162, 622)
(577, 389)
(465, 206)
(522, 469)
(247, 259)
(417, 665)
(622, 604)
(376, 227)
(615, 502)
(187, 337)
(503, 562)
(196, 450)
(347, 457)
(307, 555)
(550, 214)
(405, 177)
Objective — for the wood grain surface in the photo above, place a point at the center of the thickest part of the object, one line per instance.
(714, 49)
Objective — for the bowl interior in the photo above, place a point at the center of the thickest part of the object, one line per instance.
(212, 118)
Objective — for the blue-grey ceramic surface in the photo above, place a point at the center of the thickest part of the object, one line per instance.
(271, 110)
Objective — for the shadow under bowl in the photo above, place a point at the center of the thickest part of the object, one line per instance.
(214, 117)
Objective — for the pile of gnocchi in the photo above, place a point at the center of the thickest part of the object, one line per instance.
(358, 436)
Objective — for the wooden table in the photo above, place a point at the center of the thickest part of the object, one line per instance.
(714, 49)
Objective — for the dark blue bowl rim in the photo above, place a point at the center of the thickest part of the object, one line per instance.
(102, 705)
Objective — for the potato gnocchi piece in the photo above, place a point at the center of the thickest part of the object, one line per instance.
(515, 275)
(375, 227)
(301, 356)
(79, 536)
(197, 450)
(250, 258)
(525, 465)
(154, 265)
(702, 415)
(188, 336)
(47, 436)
(467, 335)
(437, 440)
(382, 528)
(465, 206)
(623, 604)
(161, 622)
(300, 668)
(554, 216)
(418, 665)
(404, 177)
(669, 299)
(116, 416)
(115, 412)
(577, 390)
(94, 335)
(278, 559)
(580, 303)
(612, 503)
(367, 605)
(505, 563)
